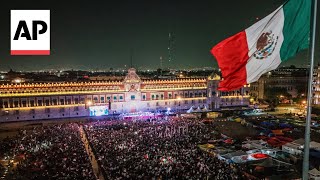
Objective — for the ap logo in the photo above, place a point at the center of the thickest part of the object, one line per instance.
(30, 32)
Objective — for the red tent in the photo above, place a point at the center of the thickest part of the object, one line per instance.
(260, 156)
(228, 141)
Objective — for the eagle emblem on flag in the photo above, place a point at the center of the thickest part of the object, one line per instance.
(265, 45)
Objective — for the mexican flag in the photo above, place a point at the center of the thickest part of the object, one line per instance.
(244, 57)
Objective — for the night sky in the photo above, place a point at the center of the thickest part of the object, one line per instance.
(102, 34)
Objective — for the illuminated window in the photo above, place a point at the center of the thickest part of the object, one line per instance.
(24, 103)
(54, 102)
(16, 103)
(47, 102)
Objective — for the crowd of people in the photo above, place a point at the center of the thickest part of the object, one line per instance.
(48, 152)
(123, 149)
(156, 150)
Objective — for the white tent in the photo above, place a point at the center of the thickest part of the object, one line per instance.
(314, 174)
(198, 109)
(315, 145)
(190, 110)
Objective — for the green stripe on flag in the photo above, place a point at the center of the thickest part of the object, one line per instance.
(296, 30)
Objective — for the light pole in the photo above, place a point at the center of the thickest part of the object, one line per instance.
(179, 109)
(87, 104)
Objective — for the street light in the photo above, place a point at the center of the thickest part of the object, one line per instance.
(179, 109)
(89, 103)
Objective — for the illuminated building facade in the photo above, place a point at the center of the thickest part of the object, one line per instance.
(28, 101)
(316, 86)
(293, 80)
(220, 100)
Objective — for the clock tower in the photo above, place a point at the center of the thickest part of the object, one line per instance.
(132, 84)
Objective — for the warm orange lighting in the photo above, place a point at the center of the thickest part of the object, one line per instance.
(89, 103)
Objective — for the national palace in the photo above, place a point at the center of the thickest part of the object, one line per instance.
(31, 101)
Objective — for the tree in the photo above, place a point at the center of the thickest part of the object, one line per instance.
(274, 94)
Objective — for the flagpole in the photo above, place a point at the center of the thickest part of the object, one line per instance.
(305, 170)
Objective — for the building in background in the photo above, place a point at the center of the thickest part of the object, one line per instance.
(49, 100)
(232, 99)
(290, 80)
(316, 86)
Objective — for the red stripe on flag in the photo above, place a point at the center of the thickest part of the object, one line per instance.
(232, 56)
(30, 52)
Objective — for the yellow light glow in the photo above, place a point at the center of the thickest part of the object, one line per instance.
(42, 107)
(89, 103)
(17, 80)
(56, 93)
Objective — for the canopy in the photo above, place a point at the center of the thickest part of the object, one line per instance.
(314, 172)
(277, 132)
(228, 141)
(258, 156)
